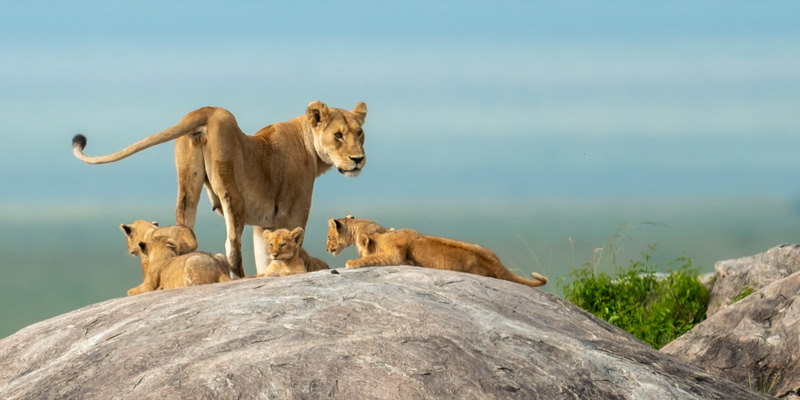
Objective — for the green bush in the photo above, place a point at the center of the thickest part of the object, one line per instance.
(655, 308)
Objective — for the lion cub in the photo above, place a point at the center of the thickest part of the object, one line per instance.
(284, 250)
(166, 269)
(408, 247)
(342, 233)
(143, 231)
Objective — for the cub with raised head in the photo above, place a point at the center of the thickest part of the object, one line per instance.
(143, 231)
(342, 233)
(167, 269)
(264, 180)
(284, 250)
(408, 247)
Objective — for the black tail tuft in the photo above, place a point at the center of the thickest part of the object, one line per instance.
(79, 141)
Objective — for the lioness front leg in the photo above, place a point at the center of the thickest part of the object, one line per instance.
(377, 260)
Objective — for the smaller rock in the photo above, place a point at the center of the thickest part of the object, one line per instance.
(734, 277)
(753, 342)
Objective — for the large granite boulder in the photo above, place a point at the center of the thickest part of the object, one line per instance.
(373, 333)
(738, 277)
(755, 341)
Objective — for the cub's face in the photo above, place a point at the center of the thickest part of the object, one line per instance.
(283, 244)
(338, 137)
(136, 232)
(337, 237)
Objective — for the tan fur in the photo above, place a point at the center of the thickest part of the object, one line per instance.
(264, 180)
(168, 270)
(408, 247)
(342, 233)
(143, 231)
(284, 248)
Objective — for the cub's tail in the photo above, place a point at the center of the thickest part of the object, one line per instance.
(539, 279)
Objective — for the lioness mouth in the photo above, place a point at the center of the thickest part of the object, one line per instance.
(342, 170)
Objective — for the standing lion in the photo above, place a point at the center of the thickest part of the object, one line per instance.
(265, 180)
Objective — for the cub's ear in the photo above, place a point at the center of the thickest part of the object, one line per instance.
(317, 113)
(363, 240)
(126, 229)
(298, 234)
(332, 223)
(360, 112)
(266, 234)
(143, 248)
(171, 244)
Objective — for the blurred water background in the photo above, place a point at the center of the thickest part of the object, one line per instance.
(541, 130)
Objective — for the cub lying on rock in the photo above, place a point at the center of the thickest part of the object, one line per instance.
(143, 231)
(408, 247)
(166, 269)
(284, 250)
(342, 233)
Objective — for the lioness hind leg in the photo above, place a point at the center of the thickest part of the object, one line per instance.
(233, 211)
(191, 175)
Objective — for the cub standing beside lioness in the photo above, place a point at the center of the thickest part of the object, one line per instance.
(408, 247)
(265, 180)
(168, 270)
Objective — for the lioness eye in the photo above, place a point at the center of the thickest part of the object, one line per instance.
(338, 135)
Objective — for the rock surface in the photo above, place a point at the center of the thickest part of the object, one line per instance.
(372, 333)
(754, 342)
(755, 271)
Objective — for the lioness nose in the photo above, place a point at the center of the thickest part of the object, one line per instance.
(357, 160)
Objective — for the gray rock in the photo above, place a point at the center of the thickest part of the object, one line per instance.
(755, 271)
(372, 333)
(754, 342)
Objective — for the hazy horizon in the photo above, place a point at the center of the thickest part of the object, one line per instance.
(562, 120)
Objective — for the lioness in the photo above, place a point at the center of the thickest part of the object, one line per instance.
(168, 270)
(143, 231)
(408, 247)
(264, 180)
(342, 233)
(284, 249)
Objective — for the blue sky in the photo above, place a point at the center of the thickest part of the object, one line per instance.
(543, 99)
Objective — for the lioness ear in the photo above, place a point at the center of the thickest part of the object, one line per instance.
(171, 244)
(360, 112)
(126, 229)
(154, 223)
(297, 235)
(317, 112)
(350, 217)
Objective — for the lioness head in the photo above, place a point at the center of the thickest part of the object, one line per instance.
(338, 137)
(283, 244)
